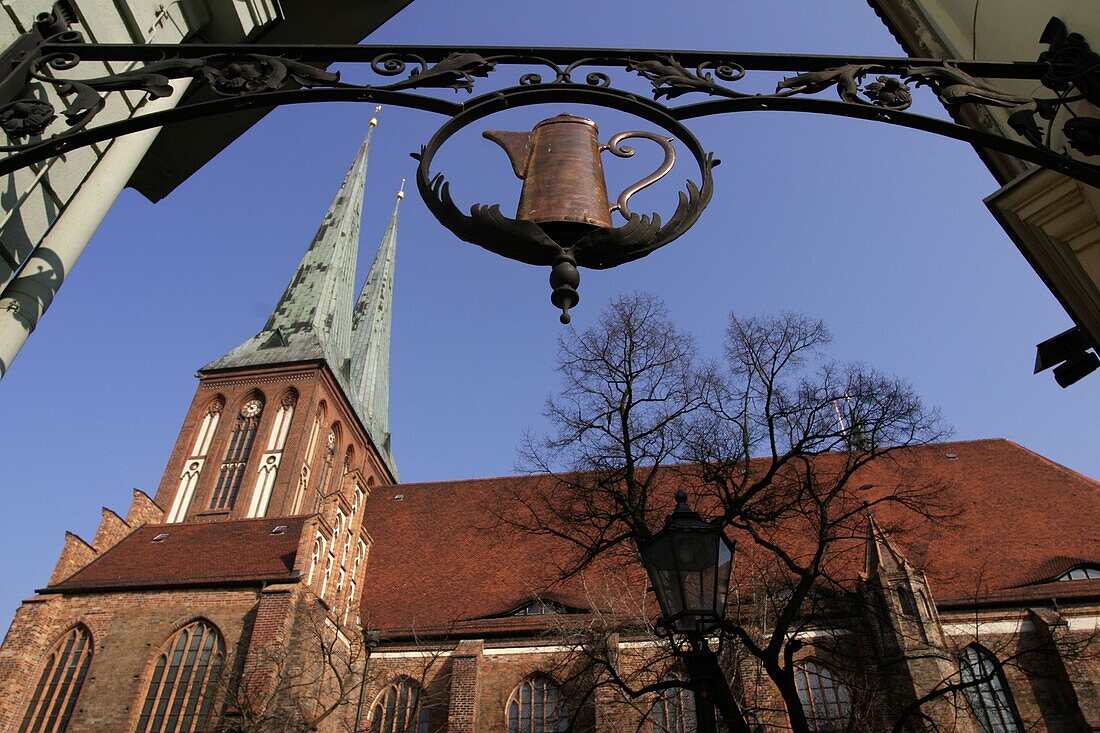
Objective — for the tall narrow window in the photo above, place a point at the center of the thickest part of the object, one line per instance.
(52, 703)
(825, 699)
(351, 601)
(192, 467)
(399, 709)
(987, 692)
(674, 711)
(327, 574)
(535, 707)
(326, 465)
(307, 463)
(315, 558)
(236, 455)
(273, 453)
(349, 458)
(184, 681)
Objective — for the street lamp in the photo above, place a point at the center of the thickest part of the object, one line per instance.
(689, 564)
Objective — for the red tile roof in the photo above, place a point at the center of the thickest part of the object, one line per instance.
(442, 558)
(194, 553)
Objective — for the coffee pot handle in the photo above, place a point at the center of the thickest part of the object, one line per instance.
(615, 147)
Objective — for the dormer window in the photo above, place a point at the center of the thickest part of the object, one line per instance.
(1082, 572)
(539, 608)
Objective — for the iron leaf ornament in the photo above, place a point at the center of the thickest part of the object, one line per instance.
(457, 71)
(670, 79)
(885, 91)
(233, 75)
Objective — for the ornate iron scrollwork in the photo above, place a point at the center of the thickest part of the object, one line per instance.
(702, 84)
(266, 76)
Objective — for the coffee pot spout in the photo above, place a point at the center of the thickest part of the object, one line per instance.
(516, 144)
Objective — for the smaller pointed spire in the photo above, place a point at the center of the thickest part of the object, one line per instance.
(371, 321)
(881, 553)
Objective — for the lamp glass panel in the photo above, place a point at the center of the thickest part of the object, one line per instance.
(725, 567)
(696, 554)
(659, 557)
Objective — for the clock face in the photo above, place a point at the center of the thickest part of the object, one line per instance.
(252, 408)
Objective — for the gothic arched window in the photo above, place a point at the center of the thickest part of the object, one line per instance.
(184, 681)
(273, 454)
(535, 707)
(399, 709)
(987, 692)
(192, 467)
(315, 557)
(236, 454)
(674, 711)
(327, 457)
(825, 699)
(59, 685)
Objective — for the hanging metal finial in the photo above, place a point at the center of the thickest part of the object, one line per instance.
(401, 191)
(374, 118)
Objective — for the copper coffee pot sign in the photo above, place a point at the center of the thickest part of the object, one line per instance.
(563, 181)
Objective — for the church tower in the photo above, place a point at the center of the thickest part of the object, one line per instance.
(205, 606)
(279, 419)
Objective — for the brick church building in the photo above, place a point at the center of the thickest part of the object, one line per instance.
(280, 563)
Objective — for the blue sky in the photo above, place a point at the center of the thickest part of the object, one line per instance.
(880, 231)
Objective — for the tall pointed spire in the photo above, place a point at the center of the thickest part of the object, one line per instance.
(312, 319)
(370, 349)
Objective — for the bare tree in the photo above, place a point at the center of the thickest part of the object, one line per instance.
(769, 443)
(308, 683)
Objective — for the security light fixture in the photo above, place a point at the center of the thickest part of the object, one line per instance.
(1069, 354)
(689, 563)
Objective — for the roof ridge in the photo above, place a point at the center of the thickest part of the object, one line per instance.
(1055, 464)
(224, 522)
(499, 477)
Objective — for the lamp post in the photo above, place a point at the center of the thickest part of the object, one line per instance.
(689, 564)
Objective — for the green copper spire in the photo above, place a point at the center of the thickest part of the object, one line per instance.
(370, 340)
(315, 319)
(312, 320)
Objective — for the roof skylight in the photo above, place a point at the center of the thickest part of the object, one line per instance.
(1082, 572)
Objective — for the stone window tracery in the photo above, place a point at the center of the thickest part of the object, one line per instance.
(399, 708)
(192, 467)
(327, 459)
(327, 574)
(826, 700)
(58, 687)
(349, 458)
(236, 455)
(184, 681)
(273, 453)
(986, 691)
(315, 557)
(535, 706)
(307, 462)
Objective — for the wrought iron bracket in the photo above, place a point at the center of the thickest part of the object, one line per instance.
(256, 75)
(47, 107)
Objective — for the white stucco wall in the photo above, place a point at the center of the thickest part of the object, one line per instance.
(48, 213)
